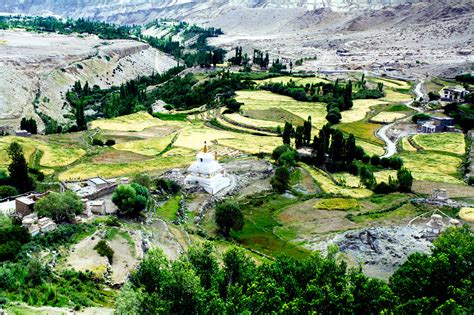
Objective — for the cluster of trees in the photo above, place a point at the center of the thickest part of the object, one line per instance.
(335, 153)
(131, 199)
(239, 59)
(29, 125)
(465, 78)
(462, 114)
(128, 98)
(228, 216)
(61, 207)
(23, 278)
(260, 59)
(68, 26)
(338, 97)
(185, 93)
(167, 186)
(278, 67)
(403, 183)
(20, 177)
(198, 283)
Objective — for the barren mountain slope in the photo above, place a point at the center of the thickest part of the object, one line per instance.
(138, 11)
(422, 38)
(40, 68)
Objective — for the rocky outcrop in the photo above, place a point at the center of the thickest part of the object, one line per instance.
(133, 11)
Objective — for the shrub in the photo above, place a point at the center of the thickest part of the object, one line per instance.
(470, 180)
(375, 160)
(229, 216)
(131, 199)
(97, 142)
(366, 158)
(417, 117)
(105, 250)
(110, 142)
(385, 163)
(280, 181)
(8, 191)
(59, 207)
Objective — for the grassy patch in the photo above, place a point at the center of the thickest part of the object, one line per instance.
(397, 108)
(169, 209)
(133, 122)
(328, 186)
(176, 117)
(53, 155)
(342, 204)
(253, 122)
(264, 100)
(361, 130)
(359, 110)
(115, 232)
(149, 147)
(431, 166)
(395, 97)
(396, 213)
(387, 117)
(262, 231)
(446, 142)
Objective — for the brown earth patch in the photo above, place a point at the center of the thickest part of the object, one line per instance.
(115, 157)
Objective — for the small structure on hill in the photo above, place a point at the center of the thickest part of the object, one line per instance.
(91, 188)
(436, 124)
(207, 173)
(22, 133)
(35, 225)
(24, 204)
(453, 94)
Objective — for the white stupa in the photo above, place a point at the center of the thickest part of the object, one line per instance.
(207, 173)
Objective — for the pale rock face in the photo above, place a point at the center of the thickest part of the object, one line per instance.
(131, 11)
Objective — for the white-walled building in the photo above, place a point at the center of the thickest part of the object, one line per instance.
(207, 173)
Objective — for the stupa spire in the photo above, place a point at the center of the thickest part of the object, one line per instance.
(205, 147)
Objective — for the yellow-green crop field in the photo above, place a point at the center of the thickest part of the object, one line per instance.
(359, 110)
(54, 155)
(88, 170)
(362, 130)
(396, 84)
(150, 147)
(336, 204)
(395, 97)
(253, 122)
(387, 117)
(328, 186)
(264, 100)
(133, 122)
(432, 166)
(371, 148)
(354, 181)
(446, 142)
(406, 145)
(297, 80)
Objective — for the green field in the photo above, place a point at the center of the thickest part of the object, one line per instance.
(263, 100)
(431, 166)
(362, 130)
(449, 142)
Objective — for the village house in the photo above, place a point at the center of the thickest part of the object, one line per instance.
(436, 124)
(24, 204)
(450, 94)
(22, 133)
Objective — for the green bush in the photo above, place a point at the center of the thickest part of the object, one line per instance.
(110, 142)
(8, 191)
(60, 207)
(105, 250)
(97, 142)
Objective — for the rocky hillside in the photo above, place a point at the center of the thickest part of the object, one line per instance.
(38, 70)
(137, 11)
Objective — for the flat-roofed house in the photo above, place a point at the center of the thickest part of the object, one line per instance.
(450, 94)
(24, 205)
(98, 182)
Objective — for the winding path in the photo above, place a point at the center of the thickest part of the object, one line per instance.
(391, 146)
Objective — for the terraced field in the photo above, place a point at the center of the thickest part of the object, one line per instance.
(445, 142)
(387, 117)
(264, 100)
(359, 110)
(53, 155)
(297, 80)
